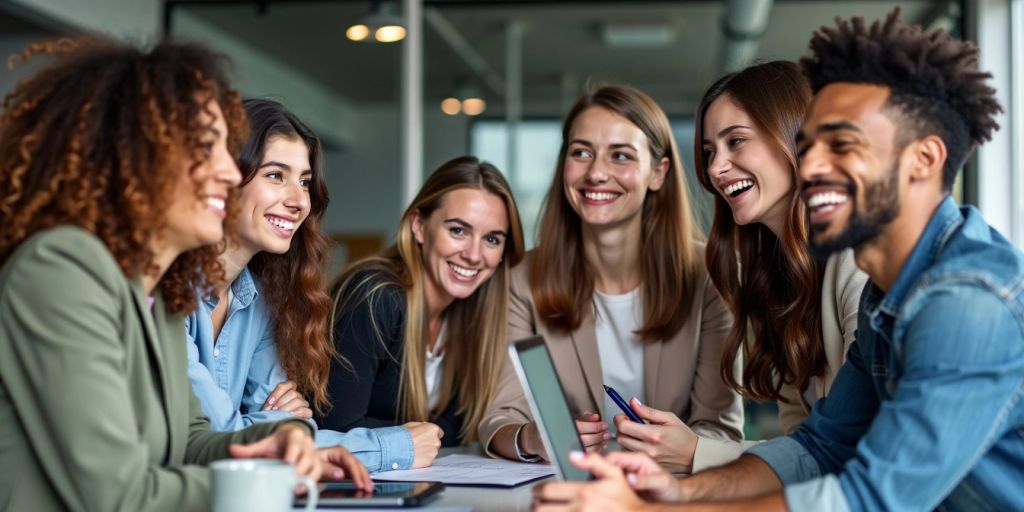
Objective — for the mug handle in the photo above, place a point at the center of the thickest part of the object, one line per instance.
(312, 493)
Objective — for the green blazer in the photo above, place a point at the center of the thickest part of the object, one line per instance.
(96, 410)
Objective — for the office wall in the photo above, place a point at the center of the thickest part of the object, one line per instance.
(364, 177)
(133, 19)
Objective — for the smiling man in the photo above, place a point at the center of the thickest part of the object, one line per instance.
(928, 410)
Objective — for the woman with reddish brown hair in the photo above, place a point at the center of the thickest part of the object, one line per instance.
(115, 166)
(795, 315)
(617, 285)
(259, 345)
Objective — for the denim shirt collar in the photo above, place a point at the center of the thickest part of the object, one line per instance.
(243, 288)
(946, 218)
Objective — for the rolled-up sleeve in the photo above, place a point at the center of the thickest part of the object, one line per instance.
(789, 459)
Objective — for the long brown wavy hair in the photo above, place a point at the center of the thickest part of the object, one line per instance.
(475, 333)
(94, 140)
(561, 281)
(777, 302)
(293, 283)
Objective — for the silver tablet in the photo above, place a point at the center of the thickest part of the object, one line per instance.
(547, 400)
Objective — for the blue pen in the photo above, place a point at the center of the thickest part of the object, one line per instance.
(622, 404)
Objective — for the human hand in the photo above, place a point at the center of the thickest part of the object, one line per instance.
(646, 476)
(665, 438)
(286, 397)
(530, 441)
(290, 442)
(610, 492)
(426, 441)
(593, 432)
(338, 463)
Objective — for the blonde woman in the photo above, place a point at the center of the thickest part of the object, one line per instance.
(423, 323)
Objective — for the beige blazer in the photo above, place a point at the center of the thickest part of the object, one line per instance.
(840, 300)
(681, 374)
(96, 410)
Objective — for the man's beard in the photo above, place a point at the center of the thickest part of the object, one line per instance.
(881, 206)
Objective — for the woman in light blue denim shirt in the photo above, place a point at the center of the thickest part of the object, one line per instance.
(259, 347)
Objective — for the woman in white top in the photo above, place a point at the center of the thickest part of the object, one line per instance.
(795, 315)
(617, 284)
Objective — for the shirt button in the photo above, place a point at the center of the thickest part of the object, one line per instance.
(394, 465)
(216, 352)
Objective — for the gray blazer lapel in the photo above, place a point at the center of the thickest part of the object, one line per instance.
(152, 334)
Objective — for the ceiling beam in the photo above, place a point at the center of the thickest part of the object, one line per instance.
(465, 51)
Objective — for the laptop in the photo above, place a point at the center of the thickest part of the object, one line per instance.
(550, 409)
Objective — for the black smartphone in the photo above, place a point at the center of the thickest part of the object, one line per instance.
(385, 494)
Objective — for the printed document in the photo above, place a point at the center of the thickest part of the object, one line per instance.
(461, 469)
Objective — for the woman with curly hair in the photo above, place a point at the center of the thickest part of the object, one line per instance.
(115, 166)
(258, 346)
(422, 324)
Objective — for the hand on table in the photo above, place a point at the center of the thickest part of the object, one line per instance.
(426, 442)
(648, 478)
(665, 438)
(339, 463)
(290, 442)
(610, 492)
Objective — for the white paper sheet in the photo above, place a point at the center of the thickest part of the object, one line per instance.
(461, 469)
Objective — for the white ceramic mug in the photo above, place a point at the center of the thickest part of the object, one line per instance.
(243, 485)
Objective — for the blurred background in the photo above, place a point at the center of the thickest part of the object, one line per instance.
(395, 88)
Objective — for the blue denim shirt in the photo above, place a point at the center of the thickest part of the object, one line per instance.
(233, 377)
(927, 412)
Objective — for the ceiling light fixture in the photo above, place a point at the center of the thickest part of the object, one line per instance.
(451, 106)
(637, 35)
(466, 100)
(382, 25)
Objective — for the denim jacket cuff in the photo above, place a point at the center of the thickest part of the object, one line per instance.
(791, 462)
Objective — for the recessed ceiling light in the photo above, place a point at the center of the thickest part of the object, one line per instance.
(637, 35)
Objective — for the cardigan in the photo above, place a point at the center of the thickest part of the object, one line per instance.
(370, 337)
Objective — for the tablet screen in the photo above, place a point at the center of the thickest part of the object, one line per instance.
(547, 402)
(397, 494)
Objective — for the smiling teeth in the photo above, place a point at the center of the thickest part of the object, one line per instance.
(600, 196)
(215, 203)
(281, 223)
(464, 272)
(739, 185)
(826, 198)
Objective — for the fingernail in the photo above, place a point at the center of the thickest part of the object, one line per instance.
(631, 478)
(338, 473)
(271, 401)
(638, 402)
(576, 455)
